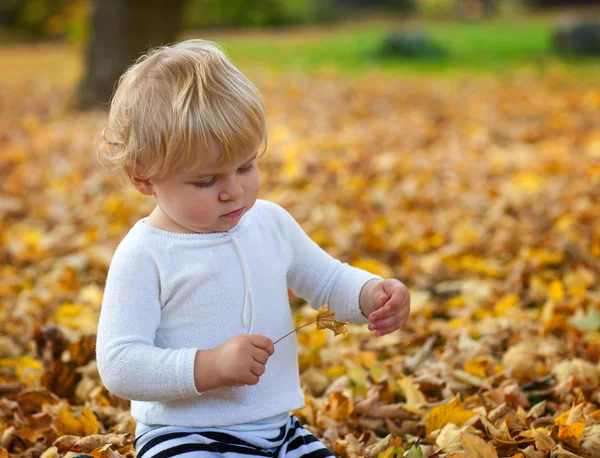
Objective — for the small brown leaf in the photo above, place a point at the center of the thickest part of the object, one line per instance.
(326, 320)
(543, 441)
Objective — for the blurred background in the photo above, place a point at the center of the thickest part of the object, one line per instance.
(307, 35)
(452, 144)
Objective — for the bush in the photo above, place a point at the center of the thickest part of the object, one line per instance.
(578, 37)
(47, 18)
(410, 43)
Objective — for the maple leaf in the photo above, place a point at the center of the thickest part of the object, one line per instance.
(325, 320)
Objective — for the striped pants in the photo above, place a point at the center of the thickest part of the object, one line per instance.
(290, 440)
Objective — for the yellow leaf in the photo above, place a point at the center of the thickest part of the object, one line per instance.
(77, 316)
(372, 237)
(506, 303)
(104, 452)
(312, 340)
(89, 423)
(481, 366)
(373, 266)
(23, 365)
(326, 320)
(67, 424)
(338, 406)
(452, 412)
(465, 234)
(86, 425)
(455, 302)
(475, 447)
(556, 291)
(336, 371)
(571, 425)
(391, 452)
(358, 377)
(378, 373)
(527, 181)
(413, 395)
(365, 358)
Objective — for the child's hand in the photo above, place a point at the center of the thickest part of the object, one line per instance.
(387, 305)
(242, 359)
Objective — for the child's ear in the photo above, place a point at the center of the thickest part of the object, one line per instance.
(144, 186)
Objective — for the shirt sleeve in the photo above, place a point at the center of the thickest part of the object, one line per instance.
(320, 279)
(129, 363)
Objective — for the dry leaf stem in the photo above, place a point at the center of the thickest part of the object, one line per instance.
(291, 332)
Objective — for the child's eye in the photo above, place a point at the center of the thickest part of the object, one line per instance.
(247, 168)
(205, 184)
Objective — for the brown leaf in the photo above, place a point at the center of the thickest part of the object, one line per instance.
(326, 320)
(475, 447)
(543, 441)
(90, 443)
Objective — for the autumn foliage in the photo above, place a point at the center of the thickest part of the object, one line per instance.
(480, 193)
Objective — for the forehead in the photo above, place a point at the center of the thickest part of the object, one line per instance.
(213, 163)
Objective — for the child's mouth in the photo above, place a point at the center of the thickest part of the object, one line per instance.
(234, 214)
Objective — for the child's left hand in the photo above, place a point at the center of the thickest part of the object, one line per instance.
(386, 304)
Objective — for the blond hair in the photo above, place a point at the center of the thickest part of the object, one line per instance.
(171, 101)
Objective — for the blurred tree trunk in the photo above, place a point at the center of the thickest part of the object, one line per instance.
(121, 31)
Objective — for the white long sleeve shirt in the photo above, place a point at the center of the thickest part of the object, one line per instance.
(169, 295)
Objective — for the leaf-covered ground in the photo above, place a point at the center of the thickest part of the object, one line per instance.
(482, 195)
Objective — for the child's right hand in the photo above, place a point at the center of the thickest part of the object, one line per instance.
(242, 359)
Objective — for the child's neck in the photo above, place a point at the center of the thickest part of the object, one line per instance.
(160, 220)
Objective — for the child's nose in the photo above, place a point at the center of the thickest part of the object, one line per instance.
(233, 190)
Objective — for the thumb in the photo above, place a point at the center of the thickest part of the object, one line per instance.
(381, 300)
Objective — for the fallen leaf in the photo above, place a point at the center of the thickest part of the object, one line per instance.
(448, 439)
(475, 447)
(543, 441)
(451, 412)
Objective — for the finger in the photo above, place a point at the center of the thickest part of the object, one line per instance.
(385, 323)
(400, 298)
(257, 369)
(251, 379)
(381, 300)
(392, 285)
(261, 356)
(389, 324)
(263, 342)
(386, 311)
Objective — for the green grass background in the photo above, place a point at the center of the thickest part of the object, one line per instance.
(485, 46)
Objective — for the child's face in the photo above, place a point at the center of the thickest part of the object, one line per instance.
(201, 199)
